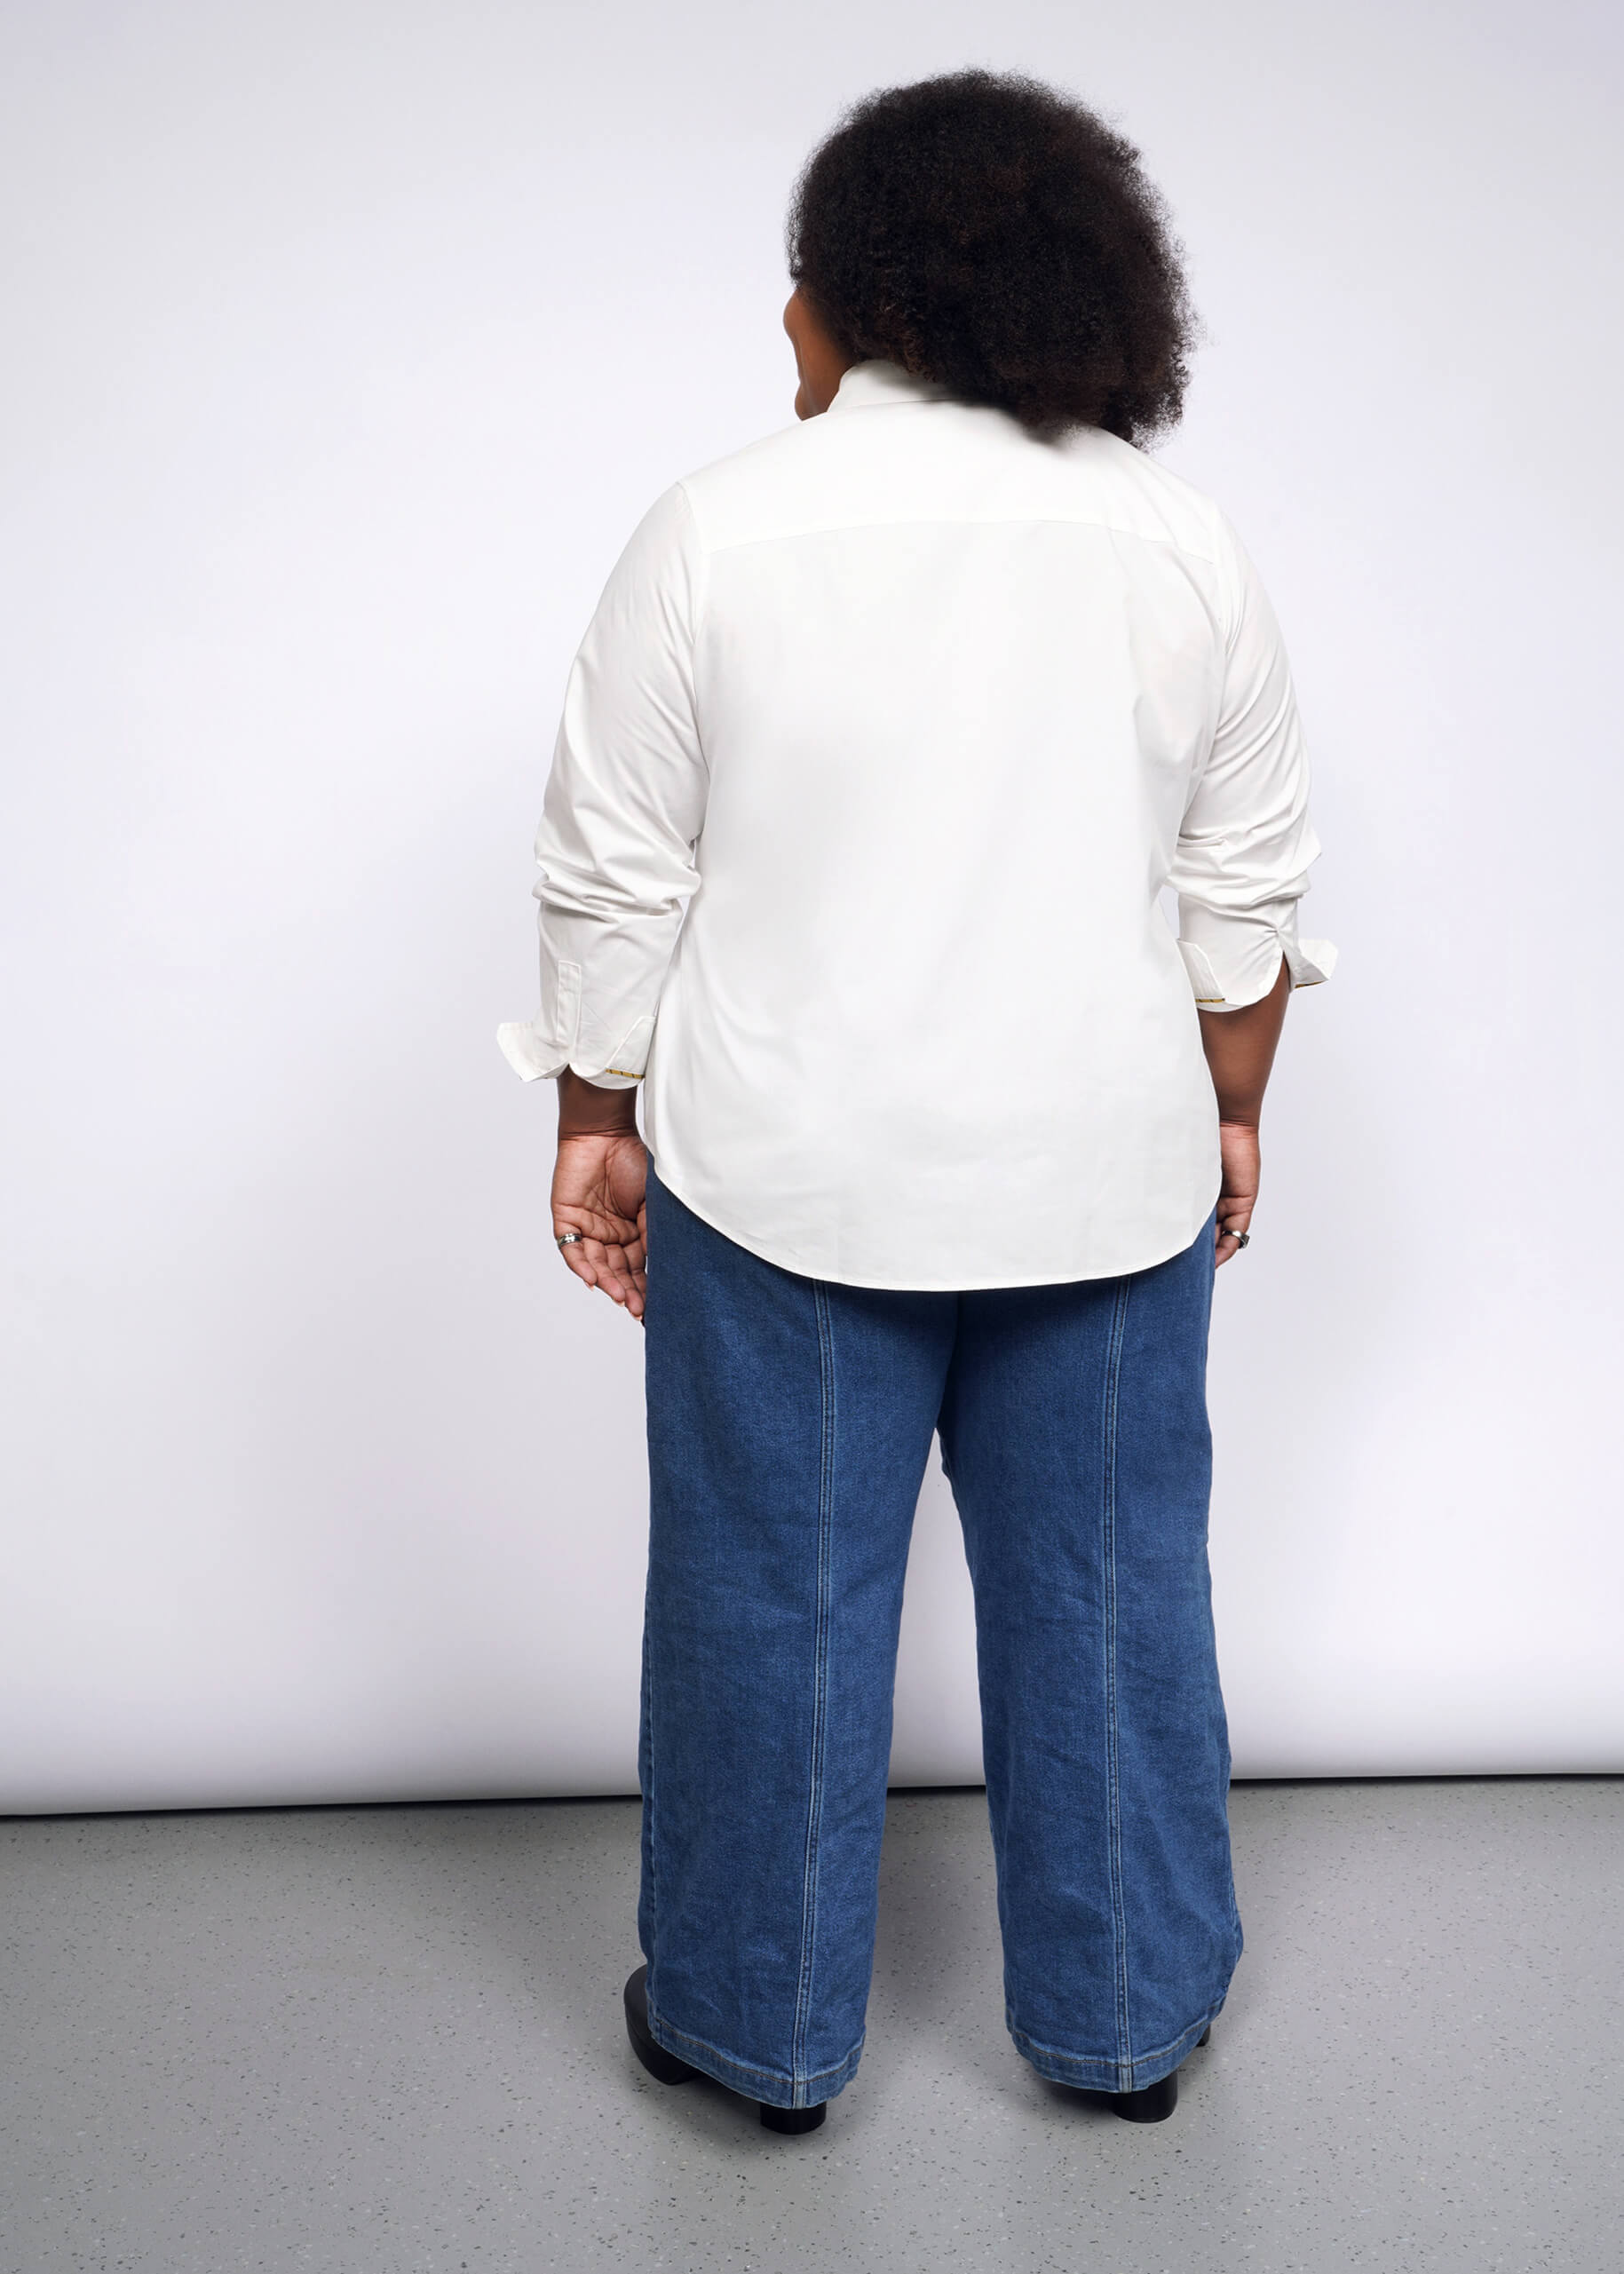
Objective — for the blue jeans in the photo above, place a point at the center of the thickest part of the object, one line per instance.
(789, 1423)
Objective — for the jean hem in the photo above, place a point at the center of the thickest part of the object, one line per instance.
(1096, 2072)
(773, 2087)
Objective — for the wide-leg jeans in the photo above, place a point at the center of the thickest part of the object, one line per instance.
(789, 1425)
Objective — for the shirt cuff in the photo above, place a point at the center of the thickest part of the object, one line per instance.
(1234, 960)
(535, 1059)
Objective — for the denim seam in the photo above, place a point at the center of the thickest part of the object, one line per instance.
(820, 1730)
(1119, 1915)
(648, 1796)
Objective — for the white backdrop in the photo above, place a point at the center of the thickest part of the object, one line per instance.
(346, 343)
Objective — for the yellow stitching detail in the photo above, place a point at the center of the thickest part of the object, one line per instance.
(626, 1073)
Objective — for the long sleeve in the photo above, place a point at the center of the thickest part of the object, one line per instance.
(624, 805)
(1247, 843)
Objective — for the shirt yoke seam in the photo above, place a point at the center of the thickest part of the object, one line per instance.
(945, 521)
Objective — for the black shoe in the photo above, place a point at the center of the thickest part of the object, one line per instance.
(792, 2119)
(656, 2059)
(1154, 2103)
(671, 2071)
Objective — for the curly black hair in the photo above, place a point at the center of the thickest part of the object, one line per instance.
(988, 234)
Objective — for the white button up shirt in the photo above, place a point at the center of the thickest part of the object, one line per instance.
(878, 753)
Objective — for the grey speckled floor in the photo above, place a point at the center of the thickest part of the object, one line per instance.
(377, 2041)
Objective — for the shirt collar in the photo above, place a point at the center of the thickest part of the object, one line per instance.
(866, 385)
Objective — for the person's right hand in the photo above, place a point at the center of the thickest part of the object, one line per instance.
(599, 1182)
(1238, 1194)
(1239, 1047)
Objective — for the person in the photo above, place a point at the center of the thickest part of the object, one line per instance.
(886, 738)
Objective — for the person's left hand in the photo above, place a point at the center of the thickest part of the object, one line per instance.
(598, 1184)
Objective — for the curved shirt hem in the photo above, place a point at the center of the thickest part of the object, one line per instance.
(786, 1260)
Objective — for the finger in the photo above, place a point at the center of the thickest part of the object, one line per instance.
(1227, 1235)
(614, 1268)
(594, 1230)
(633, 1286)
(623, 1267)
(587, 1258)
(636, 1291)
(575, 1259)
(614, 1277)
(627, 1289)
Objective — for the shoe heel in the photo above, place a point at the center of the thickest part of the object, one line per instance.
(792, 2119)
(1152, 2105)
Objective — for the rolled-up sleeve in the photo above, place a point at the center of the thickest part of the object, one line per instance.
(1245, 845)
(624, 806)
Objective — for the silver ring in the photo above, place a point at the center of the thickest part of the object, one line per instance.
(1240, 1239)
(566, 1239)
